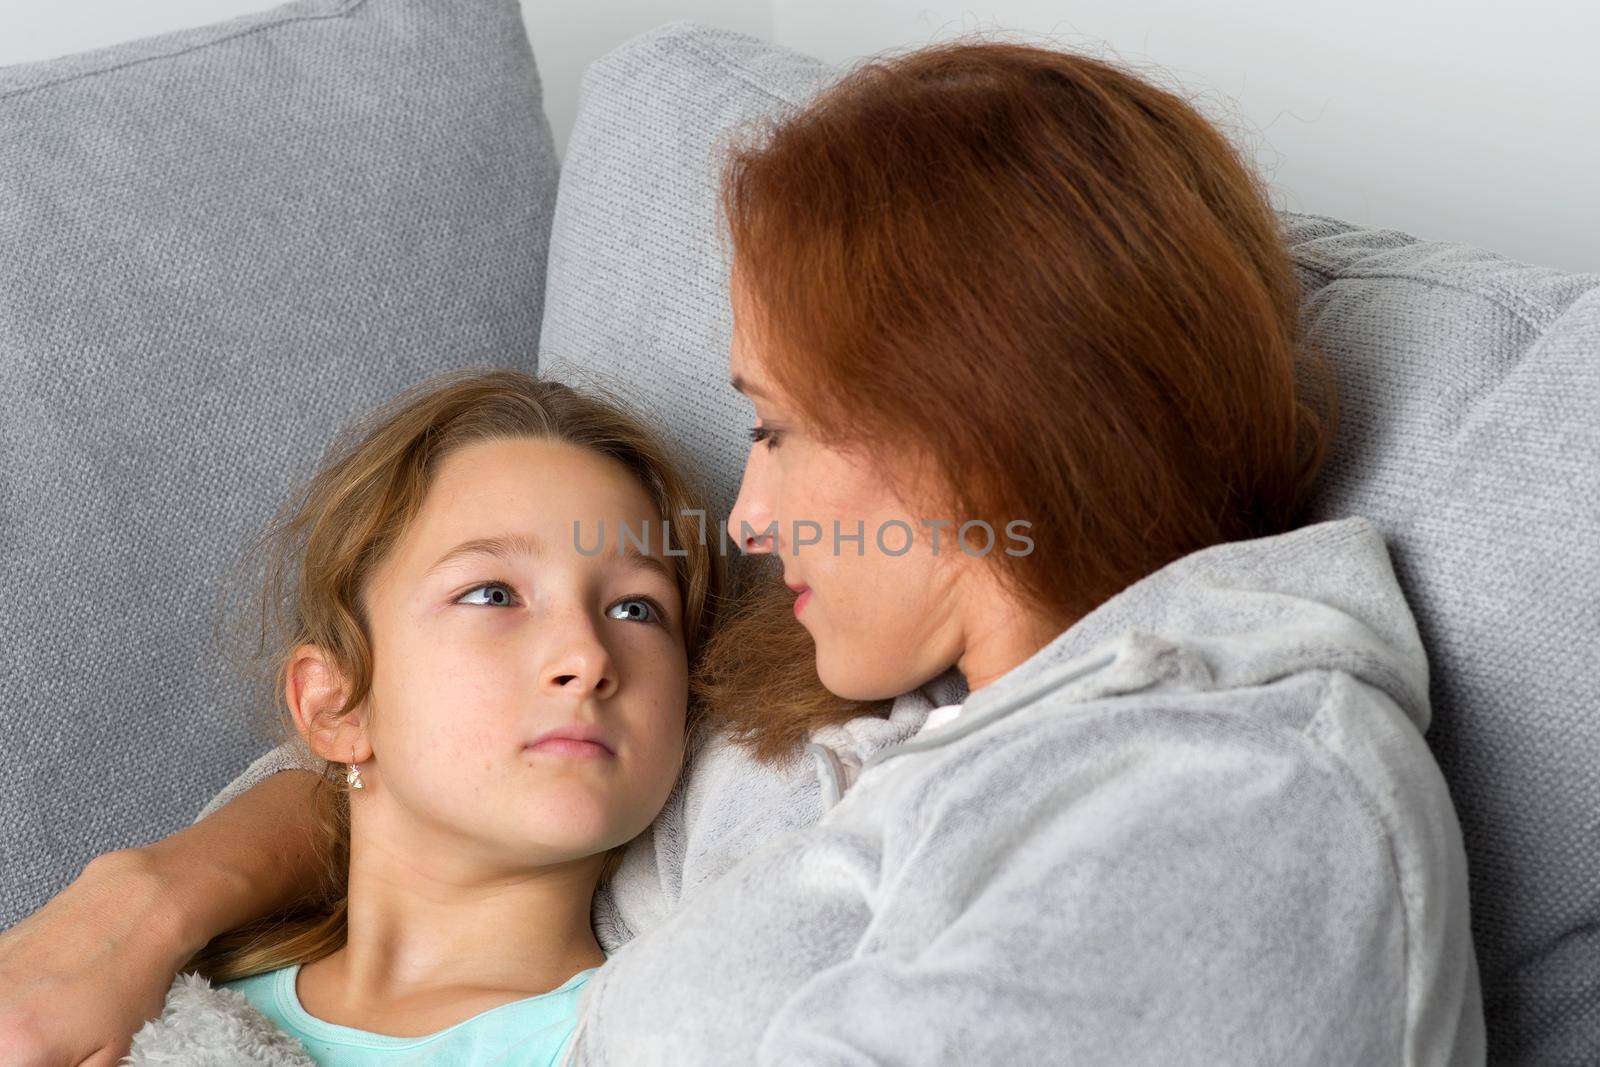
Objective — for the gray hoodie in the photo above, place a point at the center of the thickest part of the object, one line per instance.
(1200, 826)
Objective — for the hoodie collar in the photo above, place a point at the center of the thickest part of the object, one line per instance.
(1231, 615)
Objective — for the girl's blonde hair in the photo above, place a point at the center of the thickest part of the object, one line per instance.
(323, 545)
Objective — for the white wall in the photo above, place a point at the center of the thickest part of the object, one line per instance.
(1472, 121)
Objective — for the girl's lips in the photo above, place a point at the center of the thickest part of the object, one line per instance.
(800, 601)
(568, 746)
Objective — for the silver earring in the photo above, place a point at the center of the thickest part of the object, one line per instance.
(352, 777)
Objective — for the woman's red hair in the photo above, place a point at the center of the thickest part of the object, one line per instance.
(1056, 281)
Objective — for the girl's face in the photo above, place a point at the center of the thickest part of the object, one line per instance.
(490, 629)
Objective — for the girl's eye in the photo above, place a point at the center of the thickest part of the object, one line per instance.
(654, 610)
(764, 433)
(499, 594)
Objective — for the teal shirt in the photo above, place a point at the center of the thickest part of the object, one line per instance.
(532, 1032)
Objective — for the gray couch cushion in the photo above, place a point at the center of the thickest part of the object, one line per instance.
(636, 294)
(1469, 384)
(1472, 387)
(219, 245)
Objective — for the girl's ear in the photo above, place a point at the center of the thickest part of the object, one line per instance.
(314, 691)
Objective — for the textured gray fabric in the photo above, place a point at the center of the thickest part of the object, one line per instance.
(219, 245)
(1470, 386)
(636, 291)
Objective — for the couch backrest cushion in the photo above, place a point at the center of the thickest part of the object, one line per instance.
(219, 245)
(1470, 387)
(636, 296)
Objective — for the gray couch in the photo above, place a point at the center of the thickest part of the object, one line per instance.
(218, 245)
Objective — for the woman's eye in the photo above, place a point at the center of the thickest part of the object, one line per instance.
(764, 433)
(499, 594)
(652, 610)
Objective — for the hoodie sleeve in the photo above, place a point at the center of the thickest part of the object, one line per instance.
(1161, 901)
(724, 806)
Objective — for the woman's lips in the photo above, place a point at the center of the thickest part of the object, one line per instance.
(568, 746)
(800, 601)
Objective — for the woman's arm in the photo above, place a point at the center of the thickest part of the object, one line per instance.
(79, 976)
(1180, 904)
(291, 755)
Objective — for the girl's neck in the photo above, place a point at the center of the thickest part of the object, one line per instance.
(332, 990)
(433, 933)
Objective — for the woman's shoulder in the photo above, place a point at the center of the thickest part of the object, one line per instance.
(1152, 690)
(1305, 746)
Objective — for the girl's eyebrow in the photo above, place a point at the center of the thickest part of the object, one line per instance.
(501, 546)
(504, 546)
(633, 559)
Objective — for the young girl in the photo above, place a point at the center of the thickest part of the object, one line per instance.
(461, 621)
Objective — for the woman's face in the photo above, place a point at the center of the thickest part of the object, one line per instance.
(884, 620)
(480, 650)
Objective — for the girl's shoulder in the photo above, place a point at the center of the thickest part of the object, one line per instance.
(260, 980)
(522, 1031)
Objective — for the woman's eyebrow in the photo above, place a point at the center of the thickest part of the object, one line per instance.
(746, 388)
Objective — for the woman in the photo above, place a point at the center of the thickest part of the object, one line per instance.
(1152, 787)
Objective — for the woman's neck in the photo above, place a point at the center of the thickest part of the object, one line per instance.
(1001, 632)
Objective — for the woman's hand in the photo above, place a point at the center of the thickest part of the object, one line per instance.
(79, 976)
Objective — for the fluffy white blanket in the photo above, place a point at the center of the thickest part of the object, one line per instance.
(205, 1026)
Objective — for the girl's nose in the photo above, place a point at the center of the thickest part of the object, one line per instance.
(580, 662)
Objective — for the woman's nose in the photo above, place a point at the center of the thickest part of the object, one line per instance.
(750, 523)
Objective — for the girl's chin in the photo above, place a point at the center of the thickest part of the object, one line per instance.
(547, 843)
